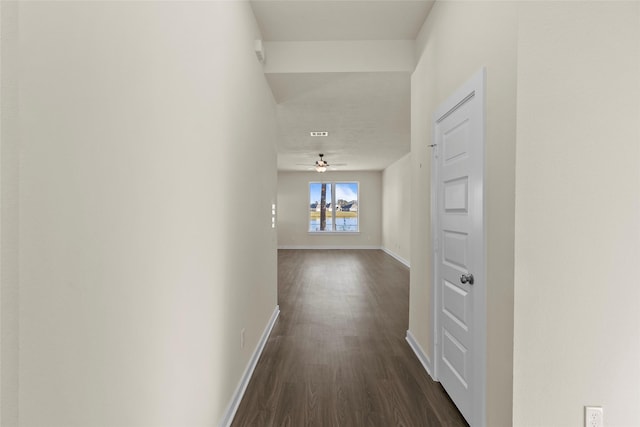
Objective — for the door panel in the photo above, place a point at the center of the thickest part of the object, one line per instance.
(456, 142)
(459, 140)
(454, 355)
(454, 304)
(454, 249)
(456, 195)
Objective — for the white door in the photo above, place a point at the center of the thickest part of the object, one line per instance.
(459, 248)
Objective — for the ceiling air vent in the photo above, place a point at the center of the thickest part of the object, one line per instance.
(316, 133)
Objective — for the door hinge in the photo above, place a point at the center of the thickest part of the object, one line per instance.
(435, 149)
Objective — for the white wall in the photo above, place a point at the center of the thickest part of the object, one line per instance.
(293, 211)
(396, 209)
(137, 217)
(577, 299)
(458, 39)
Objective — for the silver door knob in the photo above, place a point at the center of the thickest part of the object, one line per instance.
(467, 278)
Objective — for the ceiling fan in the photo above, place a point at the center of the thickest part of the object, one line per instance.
(321, 164)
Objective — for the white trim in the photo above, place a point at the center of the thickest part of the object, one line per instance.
(328, 247)
(435, 246)
(475, 87)
(397, 257)
(244, 381)
(420, 354)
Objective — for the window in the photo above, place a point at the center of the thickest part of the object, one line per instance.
(333, 207)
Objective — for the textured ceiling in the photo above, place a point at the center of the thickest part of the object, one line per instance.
(367, 114)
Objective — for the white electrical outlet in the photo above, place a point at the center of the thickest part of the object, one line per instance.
(242, 338)
(593, 416)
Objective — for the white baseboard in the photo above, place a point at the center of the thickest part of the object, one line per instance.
(244, 381)
(396, 256)
(422, 356)
(329, 247)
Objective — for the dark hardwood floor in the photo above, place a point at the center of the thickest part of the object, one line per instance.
(337, 355)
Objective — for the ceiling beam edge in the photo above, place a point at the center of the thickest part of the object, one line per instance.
(340, 56)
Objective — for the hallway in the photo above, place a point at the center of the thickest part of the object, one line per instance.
(337, 355)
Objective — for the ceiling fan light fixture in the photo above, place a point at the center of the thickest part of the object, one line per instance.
(321, 165)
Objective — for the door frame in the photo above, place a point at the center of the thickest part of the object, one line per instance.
(474, 87)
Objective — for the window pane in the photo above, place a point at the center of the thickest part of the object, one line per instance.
(347, 206)
(319, 219)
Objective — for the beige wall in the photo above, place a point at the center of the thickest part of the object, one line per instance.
(396, 209)
(458, 39)
(9, 155)
(137, 217)
(577, 299)
(293, 211)
(575, 66)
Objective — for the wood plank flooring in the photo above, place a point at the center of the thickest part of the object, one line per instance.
(337, 355)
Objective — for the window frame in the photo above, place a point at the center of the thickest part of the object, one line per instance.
(333, 204)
